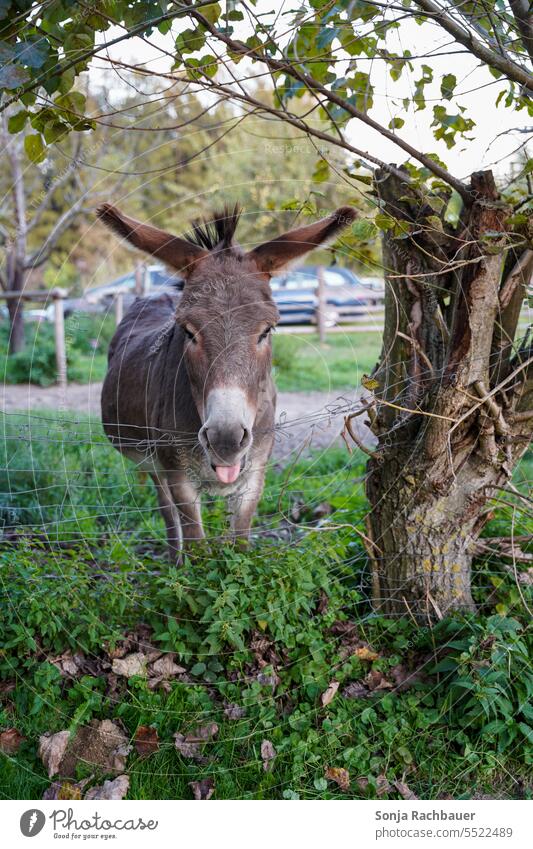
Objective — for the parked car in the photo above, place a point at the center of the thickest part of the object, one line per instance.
(295, 294)
(101, 298)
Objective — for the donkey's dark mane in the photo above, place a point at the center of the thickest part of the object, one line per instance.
(217, 231)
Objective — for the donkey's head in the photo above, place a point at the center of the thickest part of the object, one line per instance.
(226, 314)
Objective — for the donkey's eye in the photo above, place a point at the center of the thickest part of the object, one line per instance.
(189, 333)
(264, 334)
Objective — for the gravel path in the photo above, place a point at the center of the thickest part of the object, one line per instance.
(308, 420)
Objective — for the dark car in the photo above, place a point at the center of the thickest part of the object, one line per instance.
(295, 294)
(101, 298)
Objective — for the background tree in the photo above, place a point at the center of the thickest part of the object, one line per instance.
(451, 398)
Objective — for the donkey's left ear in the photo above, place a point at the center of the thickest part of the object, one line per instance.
(272, 256)
(179, 253)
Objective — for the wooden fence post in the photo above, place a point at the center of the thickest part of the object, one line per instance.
(140, 279)
(321, 305)
(59, 330)
(119, 307)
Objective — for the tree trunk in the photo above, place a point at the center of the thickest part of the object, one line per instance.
(15, 281)
(443, 447)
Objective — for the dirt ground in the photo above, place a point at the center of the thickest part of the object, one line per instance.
(306, 420)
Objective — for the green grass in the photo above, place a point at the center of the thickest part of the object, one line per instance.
(86, 565)
(301, 363)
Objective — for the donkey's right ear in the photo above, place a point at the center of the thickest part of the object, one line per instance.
(176, 252)
(279, 253)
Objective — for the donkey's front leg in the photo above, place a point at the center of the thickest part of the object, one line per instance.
(170, 515)
(187, 500)
(243, 505)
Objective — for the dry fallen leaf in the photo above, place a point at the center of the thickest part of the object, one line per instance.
(188, 745)
(187, 749)
(403, 678)
(355, 690)
(165, 666)
(322, 510)
(146, 740)
(52, 748)
(203, 789)
(203, 733)
(375, 680)
(330, 693)
(132, 664)
(268, 753)
(114, 790)
(10, 741)
(68, 663)
(101, 744)
(404, 791)
(323, 602)
(365, 653)
(7, 687)
(339, 775)
(232, 711)
(382, 785)
(65, 790)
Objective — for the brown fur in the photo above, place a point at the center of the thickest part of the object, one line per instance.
(167, 356)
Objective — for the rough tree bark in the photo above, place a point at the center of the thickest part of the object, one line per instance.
(453, 298)
(15, 272)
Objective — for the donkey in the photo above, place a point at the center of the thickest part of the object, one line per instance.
(188, 394)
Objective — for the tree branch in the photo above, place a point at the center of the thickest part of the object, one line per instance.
(41, 255)
(462, 35)
(88, 54)
(313, 85)
(524, 23)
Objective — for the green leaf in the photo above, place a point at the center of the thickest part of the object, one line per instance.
(405, 755)
(320, 784)
(321, 171)
(527, 731)
(12, 76)
(17, 121)
(364, 229)
(54, 131)
(34, 147)
(190, 40)
(32, 54)
(447, 86)
(384, 222)
(396, 123)
(212, 12)
(434, 222)
(362, 178)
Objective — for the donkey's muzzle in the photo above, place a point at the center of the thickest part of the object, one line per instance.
(225, 444)
(226, 434)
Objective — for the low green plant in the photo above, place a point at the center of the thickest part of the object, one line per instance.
(489, 679)
(259, 631)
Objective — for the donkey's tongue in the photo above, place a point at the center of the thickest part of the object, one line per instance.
(228, 474)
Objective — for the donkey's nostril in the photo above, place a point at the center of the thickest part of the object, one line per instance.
(245, 436)
(202, 436)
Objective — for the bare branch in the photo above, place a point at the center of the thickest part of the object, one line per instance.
(41, 255)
